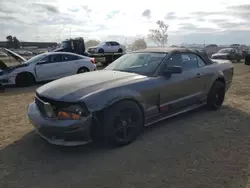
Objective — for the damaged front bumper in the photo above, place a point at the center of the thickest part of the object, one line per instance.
(7, 80)
(60, 132)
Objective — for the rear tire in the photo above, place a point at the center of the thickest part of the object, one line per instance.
(82, 70)
(216, 96)
(25, 80)
(123, 123)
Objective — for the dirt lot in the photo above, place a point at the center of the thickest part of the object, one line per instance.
(197, 149)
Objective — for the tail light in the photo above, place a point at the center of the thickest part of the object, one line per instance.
(92, 60)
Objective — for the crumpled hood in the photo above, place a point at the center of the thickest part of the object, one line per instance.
(220, 54)
(74, 88)
(5, 70)
(16, 56)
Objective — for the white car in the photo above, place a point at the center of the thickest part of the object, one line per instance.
(44, 67)
(107, 47)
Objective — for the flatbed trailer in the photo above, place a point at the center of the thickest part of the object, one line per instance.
(105, 58)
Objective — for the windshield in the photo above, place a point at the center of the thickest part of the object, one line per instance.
(65, 44)
(102, 44)
(35, 59)
(226, 50)
(140, 63)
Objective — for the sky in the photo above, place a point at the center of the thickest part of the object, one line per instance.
(192, 21)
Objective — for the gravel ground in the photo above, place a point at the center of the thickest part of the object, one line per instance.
(198, 149)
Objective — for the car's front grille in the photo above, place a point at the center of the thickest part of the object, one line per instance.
(56, 105)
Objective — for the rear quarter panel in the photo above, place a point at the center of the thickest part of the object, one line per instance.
(84, 63)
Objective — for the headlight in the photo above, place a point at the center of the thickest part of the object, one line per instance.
(74, 112)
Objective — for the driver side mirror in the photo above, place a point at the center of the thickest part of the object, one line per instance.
(172, 70)
(247, 60)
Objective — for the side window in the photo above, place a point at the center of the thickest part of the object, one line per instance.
(107, 44)
(55, 58)
(185, 57)
(114, 44)
(174, 60)
(189, 61)
(70, 57)
(45, 60)
(201, 63)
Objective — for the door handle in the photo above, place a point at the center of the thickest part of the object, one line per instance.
(198, 75)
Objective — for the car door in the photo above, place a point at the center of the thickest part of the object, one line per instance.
(181, 90)
(42, 69)
(50, 68)
(233, 54)
(108, 47)
(69, 64)
(115, 46)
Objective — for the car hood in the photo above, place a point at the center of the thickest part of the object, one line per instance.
(5, 69)
(220, 54)
(16, 56)
(76, 87)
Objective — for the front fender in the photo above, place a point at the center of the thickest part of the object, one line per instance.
(103, 98)
(216, 76)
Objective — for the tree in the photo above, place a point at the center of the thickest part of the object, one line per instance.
(9, 42)
(91, 43)
(159, 36)
(16, 43)
(12, 42)
(139, 44)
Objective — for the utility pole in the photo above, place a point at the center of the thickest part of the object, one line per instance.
(70, 32)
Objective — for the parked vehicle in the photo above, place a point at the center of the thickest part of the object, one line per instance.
(107, 47)
(136, 90)
(247, 59)
(73, 45)
(228, 53)
(46, 66)
(77, 46)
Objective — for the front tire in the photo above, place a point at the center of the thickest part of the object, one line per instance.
(24, 80)
(120, 50)
(101, 51)
(216, 96)
(123, 123)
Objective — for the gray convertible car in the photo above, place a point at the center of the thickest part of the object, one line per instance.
(136, 90)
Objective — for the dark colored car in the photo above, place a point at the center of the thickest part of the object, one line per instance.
(136, 90)
(228, 53)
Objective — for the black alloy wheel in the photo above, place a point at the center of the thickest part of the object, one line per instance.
(123, 123)
(216, 96)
